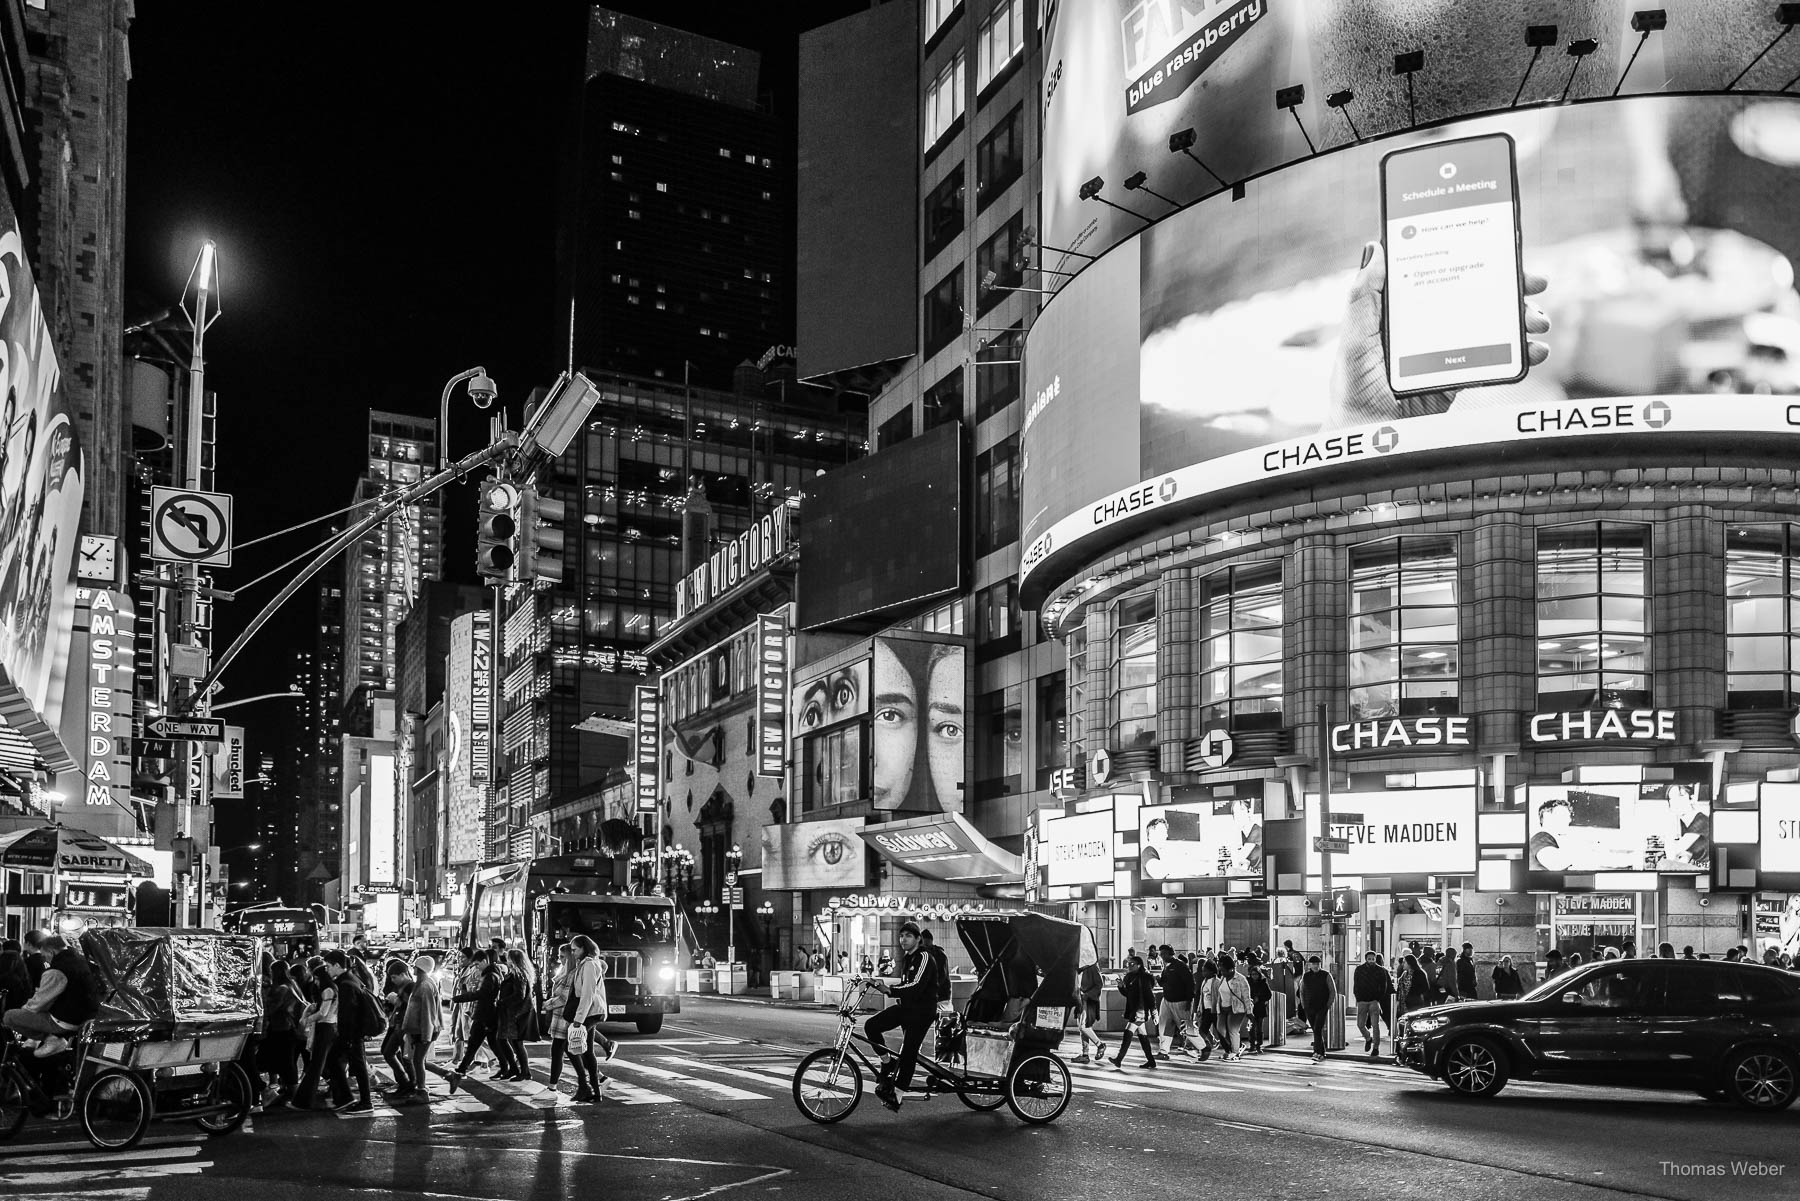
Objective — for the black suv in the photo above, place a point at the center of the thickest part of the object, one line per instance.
(1725, 1030)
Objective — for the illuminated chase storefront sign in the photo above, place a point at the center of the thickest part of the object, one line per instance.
(1601, 725)
(1390, 735)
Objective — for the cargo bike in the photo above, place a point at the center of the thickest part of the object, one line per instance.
(177, 1008)
(1001, 1050)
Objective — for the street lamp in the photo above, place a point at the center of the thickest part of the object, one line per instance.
(766, 911)
(643, 872)
(481, 390)
(705, 911)
(733, 858)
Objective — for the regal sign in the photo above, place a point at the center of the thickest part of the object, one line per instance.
(1602, 725)
(765, 541)
(1399, 734)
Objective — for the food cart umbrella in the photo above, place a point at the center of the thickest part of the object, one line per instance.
(58, 848)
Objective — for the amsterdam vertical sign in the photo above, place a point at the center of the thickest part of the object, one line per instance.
(649, 746)
(771, 695)
(103, 638)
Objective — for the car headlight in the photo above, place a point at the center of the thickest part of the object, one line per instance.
(1426, 1025)
(667, 973)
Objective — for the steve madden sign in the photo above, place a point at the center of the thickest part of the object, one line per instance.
(1399, 734)
(1602, 725)
(764, 542)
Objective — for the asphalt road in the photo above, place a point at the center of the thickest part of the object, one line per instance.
(704, 1109)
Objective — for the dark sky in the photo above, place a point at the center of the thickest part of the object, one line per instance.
(381, 183)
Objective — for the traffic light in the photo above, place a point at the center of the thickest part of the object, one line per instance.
(496, 536)
(540, 537)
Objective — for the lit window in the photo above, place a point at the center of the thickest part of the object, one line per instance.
(944, 100)
(1134, 672)
(999, 41)
(724, 153)
(662, 187)
(1403, 628)
(936, 13)
(1593, 593)
(1762, 616)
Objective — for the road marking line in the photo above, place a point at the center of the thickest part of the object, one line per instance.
(631, 1094)
(726, 1091)
(109, 1174)
(762, 1078)
(136, 1153)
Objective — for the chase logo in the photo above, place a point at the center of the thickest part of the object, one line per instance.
(1165, 491)
(1657, 414)
(1385, 439)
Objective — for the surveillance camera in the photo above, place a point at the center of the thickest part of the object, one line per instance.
(482, 390)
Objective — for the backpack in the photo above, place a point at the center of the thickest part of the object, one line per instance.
(367, 1013)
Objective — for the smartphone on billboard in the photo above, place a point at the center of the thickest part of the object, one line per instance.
(1454, 316)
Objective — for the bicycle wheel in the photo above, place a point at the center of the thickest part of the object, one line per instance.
(231, 1089)
(1037, 1088)
(827, 1087)
(116, 1110)
(12, 1105)
(983, 1102)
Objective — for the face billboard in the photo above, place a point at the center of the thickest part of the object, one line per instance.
(1240, 346)
(1650, 826)
(917, 725)
(1415, 831)
(818, 854)
(1201, 840)
(1123, 76)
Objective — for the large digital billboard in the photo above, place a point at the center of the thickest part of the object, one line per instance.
(1201, 840)
(1121, 77)
(1238, 345)
(814, 854)
(1414, 831)
(917, 725)
(1638, 826)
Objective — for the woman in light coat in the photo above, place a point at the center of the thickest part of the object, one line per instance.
(586, 1008)
(558, 1006)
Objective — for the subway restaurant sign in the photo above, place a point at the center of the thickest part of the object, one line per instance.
(1601, 725)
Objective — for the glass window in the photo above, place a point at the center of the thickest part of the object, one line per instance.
(1052, 713)
(937, 12)
(944, 312)
(1239, 613)
(997, 496)
(1762, 617)
(1403, 628)
(999, 751)
(944, 100)
(999, 264)
(834, 767)
(1076, 647)
(1000, 157)
(997, 617)
(997, 371)
(1593, 585)
(944, 400)
(944, 211)
(1134, 672)
(895, 429)
(999, 40)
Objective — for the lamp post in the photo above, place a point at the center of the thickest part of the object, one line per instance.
(733, 858)
(766, 911)
(643, 872)
(705, 911)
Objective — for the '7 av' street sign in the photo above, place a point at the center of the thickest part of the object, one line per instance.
(187, 729)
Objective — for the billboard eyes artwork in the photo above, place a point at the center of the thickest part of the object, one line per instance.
(1650, 826)
(820, 854)
(1201, 840)
(824, 700)
(918, 723)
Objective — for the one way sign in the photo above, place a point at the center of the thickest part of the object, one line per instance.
(186, 729)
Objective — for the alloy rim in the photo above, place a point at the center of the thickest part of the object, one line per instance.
(1765, 1079)
(1471, 1067)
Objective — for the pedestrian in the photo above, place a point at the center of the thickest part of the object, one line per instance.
(321, 1021)
(915, 994)
(1206, 997)
(515, 1015)
(1687, 952)
(1574, 960)
(1507, 985)
(1441, 974)
(1318, 991)
(1553, 962)
(1295, 967)
(281, 1047)
(359, 1017)
(420, 1024)
(396, 991)
(1465, 973)
(1369, 984)
(1087, 1014)
(1665, 950)
(15, 980)
(67, 994)
(1409, 991)
(1260, 996)
(484, 998)
(926, 940)
(589, 1010)
(1234, 1004)
(1177, 1008)
(558, 1005)
(1139, 992)
(37, 957)
(1628, 949)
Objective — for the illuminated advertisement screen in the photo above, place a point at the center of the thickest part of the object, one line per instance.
(1651, 826)
(917, 725)
(1781, 828)
(1121, 77)
(1077, 850)
(384, 819)
(1242, 346)
(1201, 840)
(1414, 831)
(819, 854)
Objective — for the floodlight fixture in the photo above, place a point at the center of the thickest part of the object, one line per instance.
(1537, 37)
(1787, 16)
(1340, 100)
(1646, 22)
(1410, 63)
(1137, 182)
(1291, 98)
(1579, 50)
(1091, 191)
(1182, 142)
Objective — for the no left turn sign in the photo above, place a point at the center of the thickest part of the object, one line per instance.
(190, 527)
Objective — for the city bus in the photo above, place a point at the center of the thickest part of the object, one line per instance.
(286, 929)
(542, 903)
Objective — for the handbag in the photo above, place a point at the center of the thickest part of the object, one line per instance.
(578, 1039)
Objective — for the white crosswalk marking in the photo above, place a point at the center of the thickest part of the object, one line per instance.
(726, 1091)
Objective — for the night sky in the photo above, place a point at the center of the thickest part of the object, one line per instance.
(381, 183)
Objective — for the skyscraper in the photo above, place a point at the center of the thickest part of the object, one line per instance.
(384, 571)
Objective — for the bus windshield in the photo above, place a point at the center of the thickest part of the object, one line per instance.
(612, 926)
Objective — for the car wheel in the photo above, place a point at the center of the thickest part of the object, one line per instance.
(1764, 1078)
(1474, 1067)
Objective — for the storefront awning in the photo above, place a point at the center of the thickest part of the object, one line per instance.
(945, 847)
(55, 848)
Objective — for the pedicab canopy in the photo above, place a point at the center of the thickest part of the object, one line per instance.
(1040, 957)
(173, 982)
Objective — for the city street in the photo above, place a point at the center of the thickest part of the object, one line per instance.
(703, 1109)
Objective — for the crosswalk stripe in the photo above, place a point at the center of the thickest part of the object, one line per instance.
(763, 1078)
(727, 1092)
(1161, 1081)
(136, 1155)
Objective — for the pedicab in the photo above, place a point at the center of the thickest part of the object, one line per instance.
(1000, 1050)
(177, 1008)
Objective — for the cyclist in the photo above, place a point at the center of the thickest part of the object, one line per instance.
(67, 996)
(916, 997)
